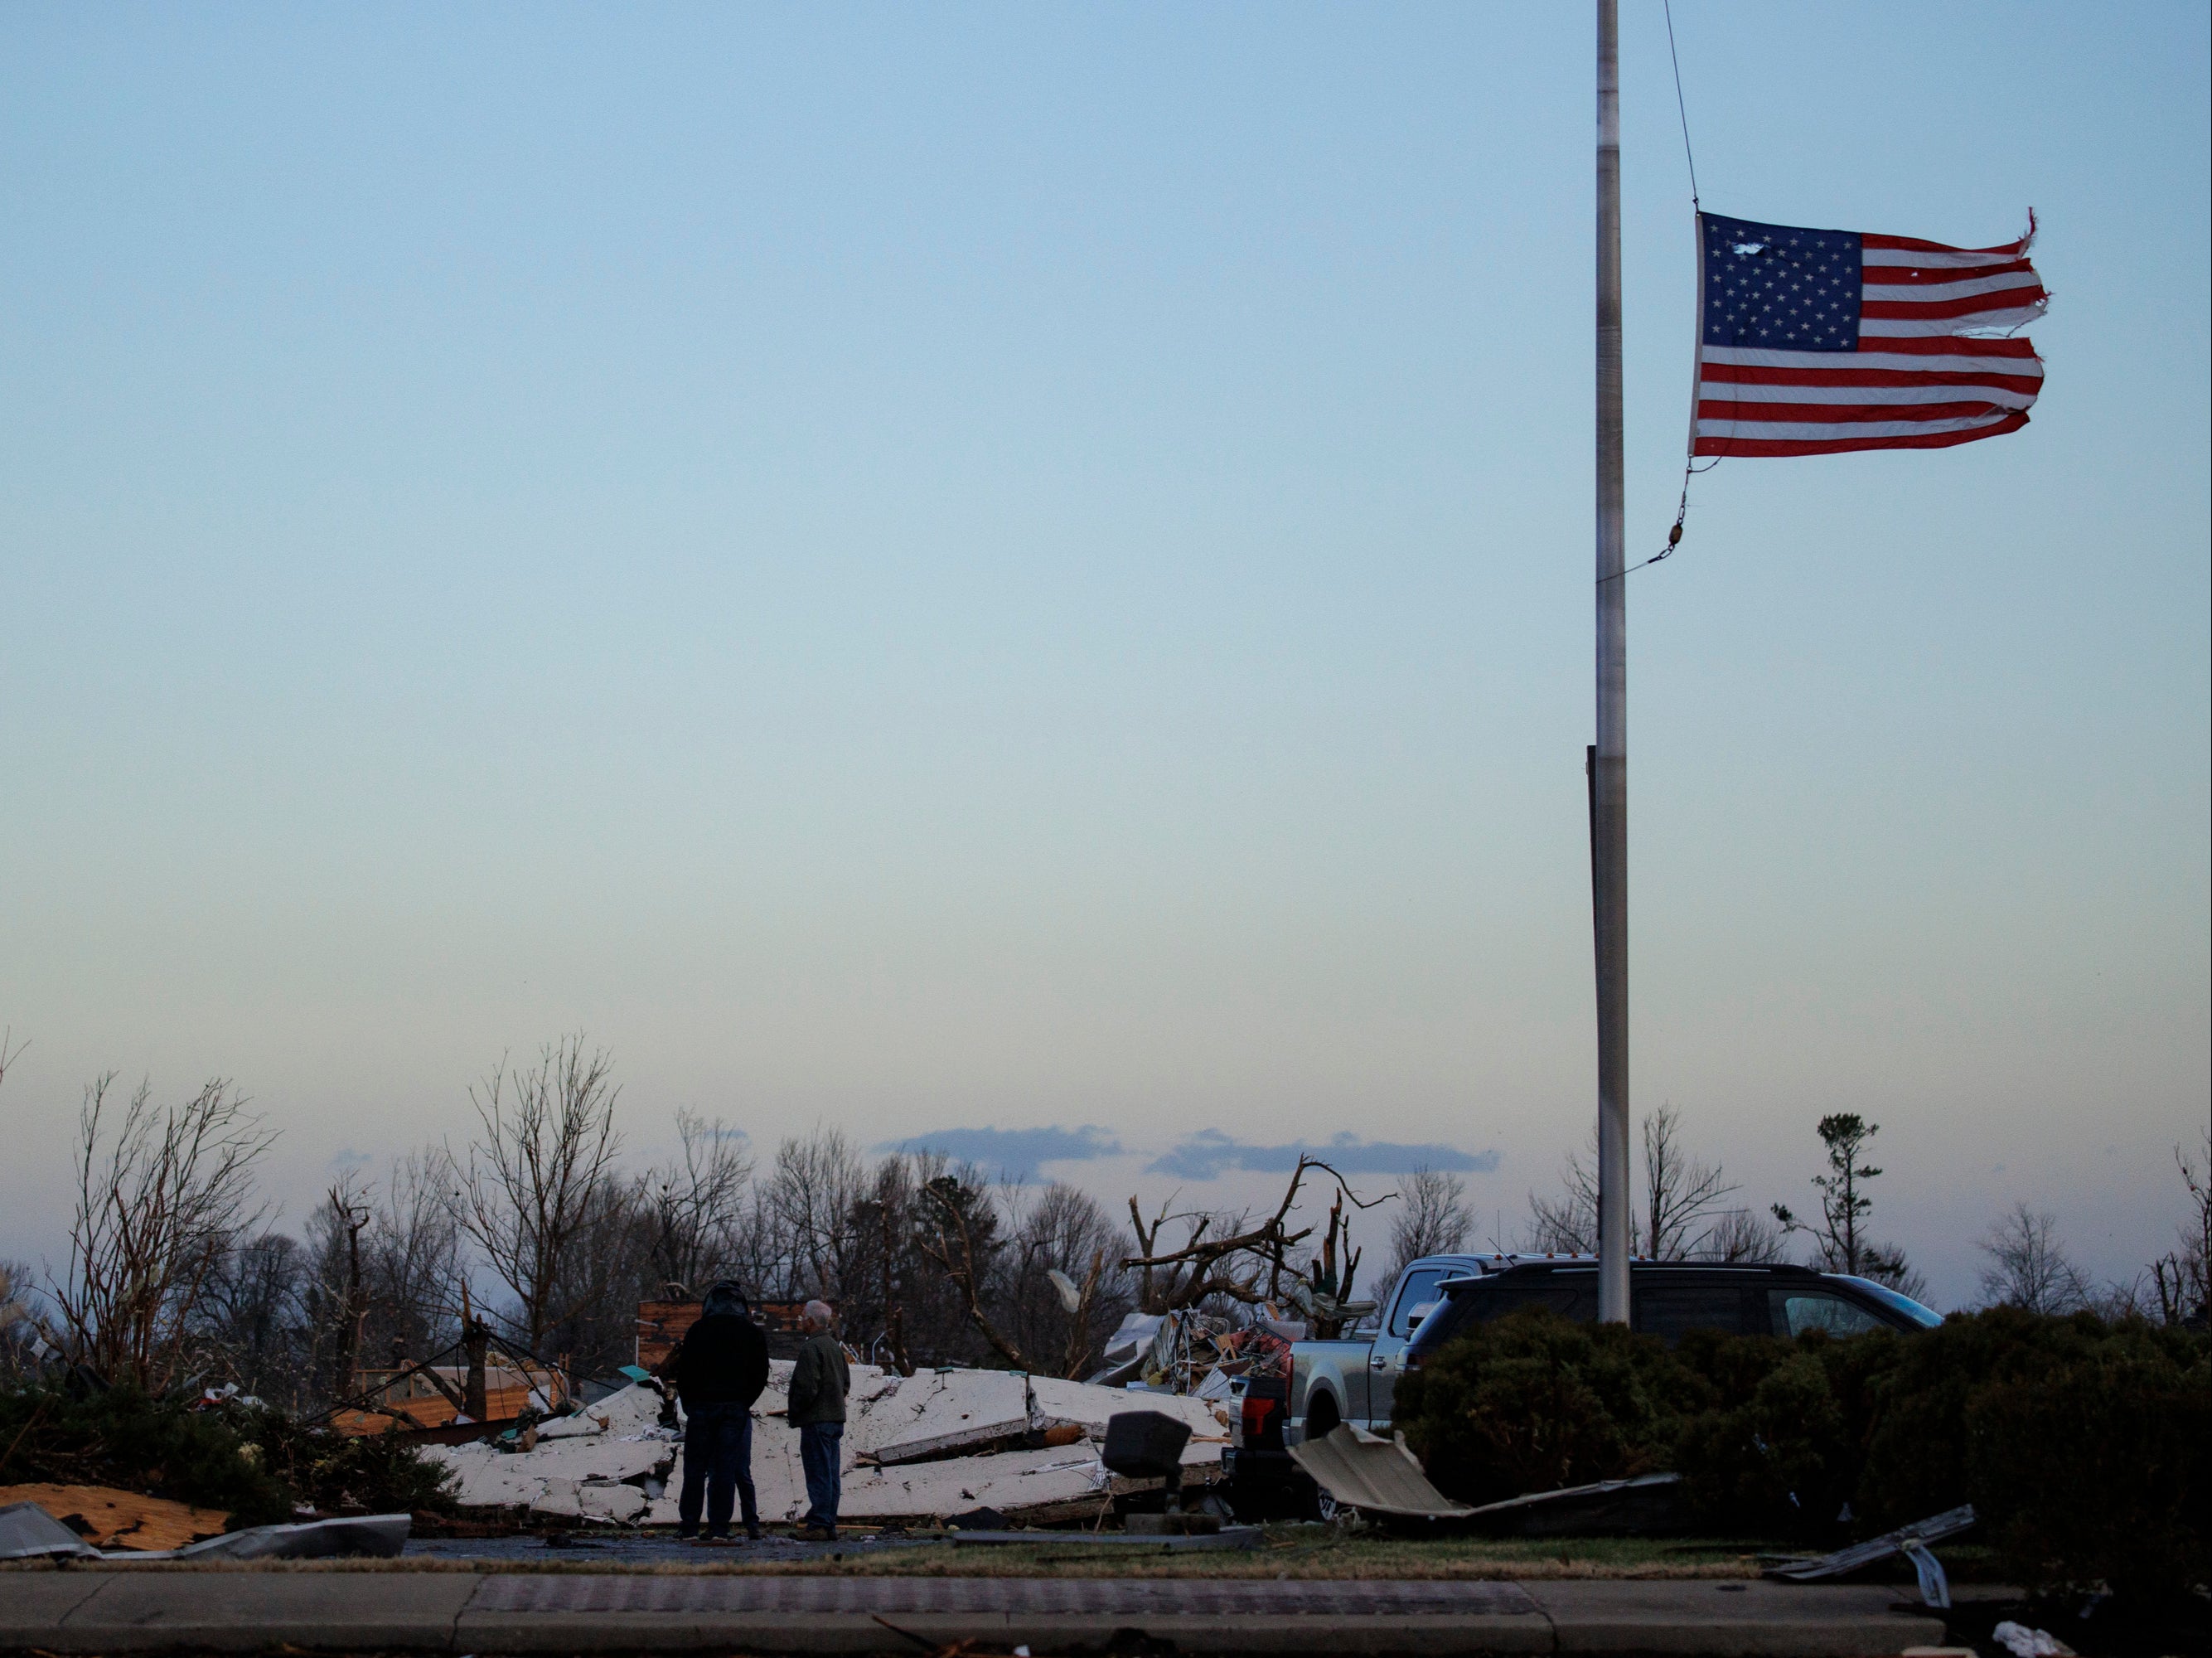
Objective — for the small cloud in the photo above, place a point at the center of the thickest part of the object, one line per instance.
(1208, 1154)
(345, 1158)
(1013, 1153)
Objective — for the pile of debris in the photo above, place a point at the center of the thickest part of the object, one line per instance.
(1187, 1351)
(917, 1450)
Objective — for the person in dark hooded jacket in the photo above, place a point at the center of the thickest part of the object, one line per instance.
(719, 1371)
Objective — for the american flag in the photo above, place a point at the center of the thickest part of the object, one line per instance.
(1813, 342)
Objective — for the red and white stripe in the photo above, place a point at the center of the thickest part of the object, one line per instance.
(1920, 379)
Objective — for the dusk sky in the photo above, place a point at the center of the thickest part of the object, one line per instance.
(1020, 569)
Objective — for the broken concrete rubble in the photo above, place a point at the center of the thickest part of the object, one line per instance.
(916, 1447)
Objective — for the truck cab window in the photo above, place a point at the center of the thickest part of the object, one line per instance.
(1415, 1289)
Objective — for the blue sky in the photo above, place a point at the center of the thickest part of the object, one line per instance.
(1013, 568)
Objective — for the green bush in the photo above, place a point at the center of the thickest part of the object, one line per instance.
(2086, 1448)
(1780, 1447)
(1772, 1455)
(122, 1438)
(257, 1465)
(374, 1473)
(1532, 1402)
(1915, 1454)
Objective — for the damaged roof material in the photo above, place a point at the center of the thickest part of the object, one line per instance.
(1910, 1541)
(1375, 1475)
(1382, 1477)
(29, 1531)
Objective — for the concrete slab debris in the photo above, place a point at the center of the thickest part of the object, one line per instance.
(1080, 1402)
(934, 1413)
(582, 1425)
(915, 1447)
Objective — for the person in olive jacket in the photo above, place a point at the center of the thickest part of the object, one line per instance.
(820, 1380)
(719, 1371)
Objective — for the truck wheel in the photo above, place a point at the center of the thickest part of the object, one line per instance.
(1321, 1416)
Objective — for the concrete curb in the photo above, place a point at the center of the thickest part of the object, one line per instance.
(114, 1612)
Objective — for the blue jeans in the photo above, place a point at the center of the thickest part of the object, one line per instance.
(718, 1466)
(819, 1446)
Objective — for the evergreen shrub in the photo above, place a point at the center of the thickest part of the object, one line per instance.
(256, 1464)
(2085, 1448)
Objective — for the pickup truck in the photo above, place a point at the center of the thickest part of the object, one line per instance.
(1354, 1378)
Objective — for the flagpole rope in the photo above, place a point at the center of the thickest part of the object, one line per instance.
(1681, 108)
(1689, 467)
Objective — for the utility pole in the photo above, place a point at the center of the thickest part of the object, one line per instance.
(1608, 760)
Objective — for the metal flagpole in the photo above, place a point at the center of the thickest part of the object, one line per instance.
(1608, 780)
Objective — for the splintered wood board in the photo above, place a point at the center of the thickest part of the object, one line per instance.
(110, 1519)
(430, 1411)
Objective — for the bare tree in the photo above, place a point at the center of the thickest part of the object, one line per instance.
(1567, 1224)
(415, 1259)
(901, 1299)
(606, 1270)
(1062, 1286)
(337, 1294)
(1680, 1194)
(1433, 1218)
(1748, 1235)
(1682, 1199)
(693, 1205)
(1322, 1289)
(537, 1176)
(2027, 1268)
(23, 1332)
(1232, 1259)
(959, 1231)
(808, 1199)
(159, 1200)
(2182, 1278)
(253, 1320)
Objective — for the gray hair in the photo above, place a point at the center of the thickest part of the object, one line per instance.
(820, 1313)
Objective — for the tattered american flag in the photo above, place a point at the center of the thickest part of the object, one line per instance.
(1813, 342)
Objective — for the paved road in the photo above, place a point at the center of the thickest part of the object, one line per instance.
(105, 1611)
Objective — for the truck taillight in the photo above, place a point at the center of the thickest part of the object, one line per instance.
(1252, 1422)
